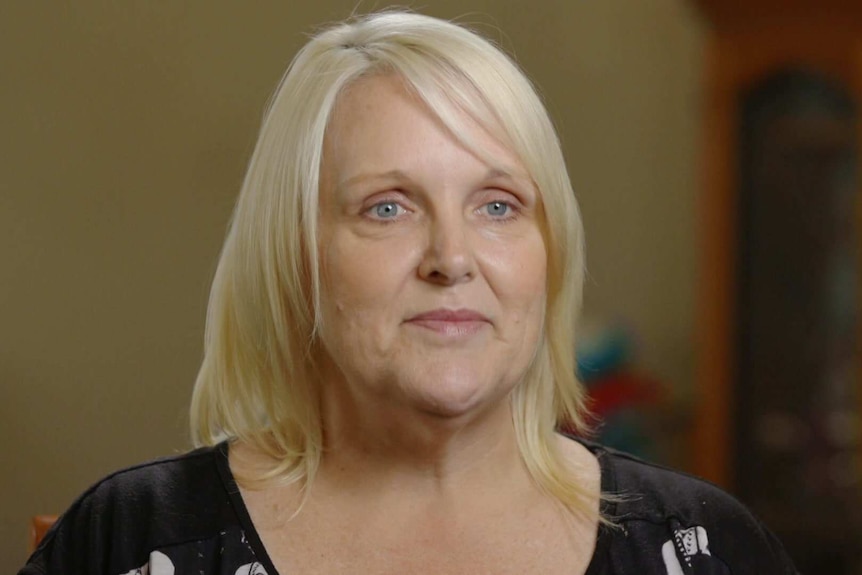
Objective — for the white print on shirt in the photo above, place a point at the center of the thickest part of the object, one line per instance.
(689, 542)
(159, 564)
(251, 569)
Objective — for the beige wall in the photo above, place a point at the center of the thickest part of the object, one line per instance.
(125, 128)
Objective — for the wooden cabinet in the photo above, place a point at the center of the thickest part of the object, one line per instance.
(779, 421)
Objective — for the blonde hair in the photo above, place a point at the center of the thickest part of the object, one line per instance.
(257, 378)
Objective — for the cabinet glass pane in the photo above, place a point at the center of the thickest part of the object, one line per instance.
(798, 371)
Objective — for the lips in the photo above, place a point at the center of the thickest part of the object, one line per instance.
(453, 315)
(451, 323)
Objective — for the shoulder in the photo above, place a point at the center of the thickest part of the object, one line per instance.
(135, 510)
(668, 518)
(179, 481)
(653, 492)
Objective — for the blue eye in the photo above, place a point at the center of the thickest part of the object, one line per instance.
(497, 208)
(386, 210)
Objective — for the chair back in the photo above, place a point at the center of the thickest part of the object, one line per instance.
(39, 526)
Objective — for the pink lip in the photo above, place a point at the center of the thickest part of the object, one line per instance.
(450, 323)
(449, 315)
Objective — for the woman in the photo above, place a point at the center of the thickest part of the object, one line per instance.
(388, 352)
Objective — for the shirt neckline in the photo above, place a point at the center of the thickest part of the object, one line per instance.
(236, 501)
(595, 567)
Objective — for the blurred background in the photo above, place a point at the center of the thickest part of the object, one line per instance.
(712, 147)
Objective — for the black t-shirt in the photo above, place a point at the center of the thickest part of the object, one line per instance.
(184, 515)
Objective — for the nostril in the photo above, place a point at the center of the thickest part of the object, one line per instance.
(438, 276)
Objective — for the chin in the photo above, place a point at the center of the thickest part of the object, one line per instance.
(456, 399)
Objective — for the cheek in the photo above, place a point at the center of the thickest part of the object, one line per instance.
(521, 286)
(341, 289)
(359, 285)
(345, 278)
(520, 275)
(345, 306)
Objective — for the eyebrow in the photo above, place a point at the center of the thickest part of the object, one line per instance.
(391, 175)
(399, 176)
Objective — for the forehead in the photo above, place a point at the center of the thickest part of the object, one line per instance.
(377, 117)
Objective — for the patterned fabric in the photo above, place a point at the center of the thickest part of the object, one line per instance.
(184, 515)
(161, 564)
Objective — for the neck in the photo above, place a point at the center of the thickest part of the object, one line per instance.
(397, 446)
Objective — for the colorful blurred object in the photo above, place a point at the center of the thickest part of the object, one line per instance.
(623, 402)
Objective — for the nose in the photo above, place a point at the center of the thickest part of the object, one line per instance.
(448, 258)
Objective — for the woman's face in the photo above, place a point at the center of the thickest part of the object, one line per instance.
(433, 262)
